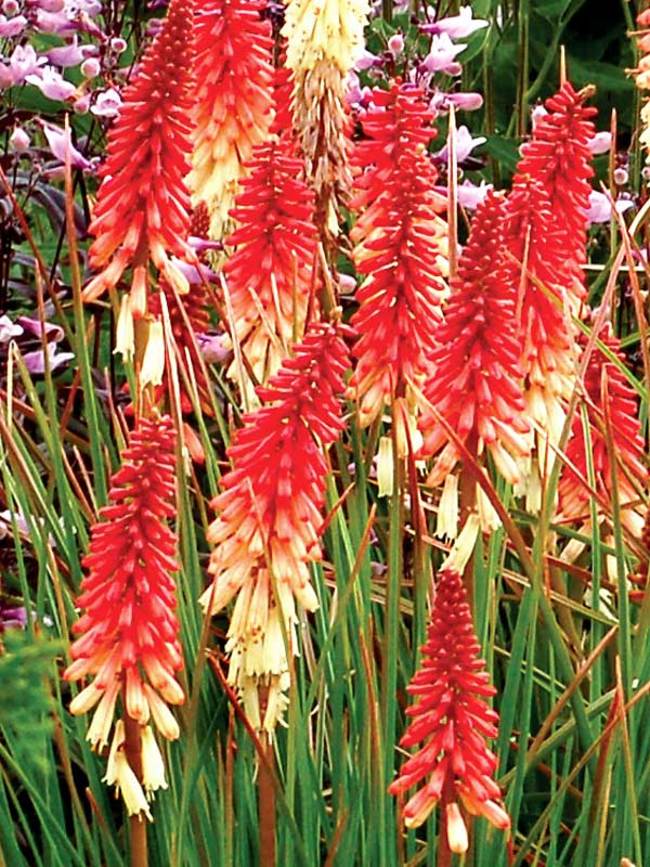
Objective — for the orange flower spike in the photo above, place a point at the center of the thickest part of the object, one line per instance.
(142, 213)
(452, 717)
(558, 157)
(475, 380)
(129, 631)
(274, 246)
(269, 516)
(234, 98)
(400, 249)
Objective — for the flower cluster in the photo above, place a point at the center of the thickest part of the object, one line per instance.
(128, 633)
(323, 41)
(269, 517)
(400, 249)
(453, 718)
(611, 405)
(546, 235)
(475, 378)
(143, 210)
(232, 110)
(559, 158)
(270, 275)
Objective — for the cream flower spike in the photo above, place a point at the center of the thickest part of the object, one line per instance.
(330, 30)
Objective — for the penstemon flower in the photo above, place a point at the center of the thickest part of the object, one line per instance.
(475, 377)
(610, 400)
(401, 250)
(232, 110)
(269, 516)
(452, 716)
(129, 632)
(324, 39)
(270, 274)
(559, 158)
(142, 214)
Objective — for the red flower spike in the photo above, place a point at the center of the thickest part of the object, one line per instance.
(558, 157)
(609, 396)
(401, 249)
(475, 381)
(452, 716)
(548, 357)
(275, 250)
(398, 121)
(270, 513)
(143, 209)
(128, 632)
(232, 110)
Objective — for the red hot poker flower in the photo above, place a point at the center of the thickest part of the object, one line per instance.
(234, 97)
(129, 631)
(609, 396)
(270, 274)
(401, 249)
(270, 513)
(453, 718)
(143, 209)
(548, 356)
(558, 157)
(475, 380)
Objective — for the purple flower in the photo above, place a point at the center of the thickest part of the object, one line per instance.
(35, 361)
(59, 143)
(6, 77)
(215, 348)
(347, 284)
(441, 56)
(194, 274)
(456, 26)
(469, 195)
(600, 207)
(10, 7)
(50, 5)
(12, 618)
(107, 103)
(9, 329)
(441, 101)
(33, 326)
(465, 144)
(51, 84)
(10, 27)
(367, 60)
(71, 54)
(23, 62)
(601, 143)
(53, 22)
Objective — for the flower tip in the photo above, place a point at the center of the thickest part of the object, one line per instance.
(456, 830)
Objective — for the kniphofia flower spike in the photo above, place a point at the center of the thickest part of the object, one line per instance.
(129, 632)
(269, 518)
(475, 379)
(452, 717)
(142, 214)
(232, 110)
(400, 249)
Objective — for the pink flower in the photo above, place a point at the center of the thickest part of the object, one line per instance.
(35, 361)
(600, 143)
(441, 55)
(396, 44)
(70, 54)
(59, 141)
(51, 83)
(463, 101)
(23, 62)
(107, 103)
(465, 144)
(600, 207)
(10, 27)
(456, 26)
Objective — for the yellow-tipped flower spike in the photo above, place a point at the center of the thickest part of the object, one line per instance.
(330, 30)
